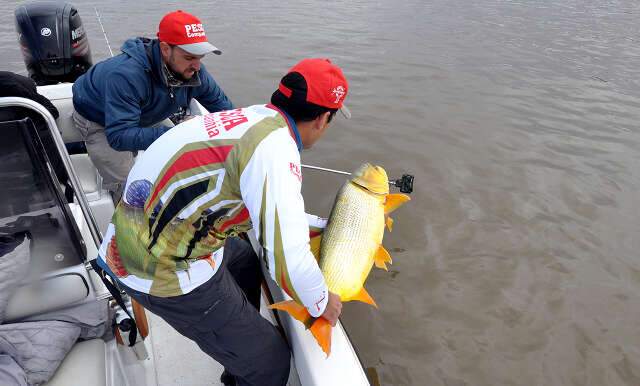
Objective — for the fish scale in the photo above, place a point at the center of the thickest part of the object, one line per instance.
(351, 239)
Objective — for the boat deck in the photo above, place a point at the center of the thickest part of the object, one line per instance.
(171, 350)
(179, 360)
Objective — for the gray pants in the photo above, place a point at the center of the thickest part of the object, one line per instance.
(113, 165)
(221, 317)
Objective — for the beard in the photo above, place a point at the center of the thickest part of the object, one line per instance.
(176, 74)
(179, 75)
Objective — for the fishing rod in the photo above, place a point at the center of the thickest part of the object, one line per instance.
(103, 31)
(405, 183)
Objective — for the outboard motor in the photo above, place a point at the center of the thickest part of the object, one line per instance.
(53, 41)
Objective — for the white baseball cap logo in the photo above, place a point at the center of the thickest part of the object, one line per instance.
(339, 93)
(45, 31)
(194, 30)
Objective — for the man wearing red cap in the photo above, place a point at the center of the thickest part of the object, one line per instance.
(171, 246)
(119, 102)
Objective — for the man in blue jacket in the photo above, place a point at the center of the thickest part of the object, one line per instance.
(119, 102)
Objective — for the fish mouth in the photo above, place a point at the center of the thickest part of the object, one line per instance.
(372, 178)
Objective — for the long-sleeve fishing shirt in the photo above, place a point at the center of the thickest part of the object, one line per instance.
(208, 178)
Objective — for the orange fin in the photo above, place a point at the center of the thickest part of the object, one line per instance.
(389, 223)
(319, 327)
(364, 297)
(314, 243)
(294, 309)
(393, 201)
(321, 330)
(382, 257)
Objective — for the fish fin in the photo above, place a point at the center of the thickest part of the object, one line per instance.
(364, 297)
(382, 257)
(321, 331)
(393, 201)
(389, 222)
(381, 265)
(294, 309)
(319, 327)
(314, 243)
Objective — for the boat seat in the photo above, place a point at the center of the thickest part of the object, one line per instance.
(65, 120)
(46, 295)
(84, 365)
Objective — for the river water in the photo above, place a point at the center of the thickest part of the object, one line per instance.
(516, 262)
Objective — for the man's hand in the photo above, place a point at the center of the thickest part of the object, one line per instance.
(333, 309)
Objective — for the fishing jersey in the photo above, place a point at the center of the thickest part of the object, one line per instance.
(206, 179)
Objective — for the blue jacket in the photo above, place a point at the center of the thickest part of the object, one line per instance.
(128, 93)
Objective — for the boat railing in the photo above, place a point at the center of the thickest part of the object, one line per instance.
(73, 177)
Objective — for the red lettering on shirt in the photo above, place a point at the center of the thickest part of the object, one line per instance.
(295, 170)
(233, 122)
(232, 118)
(210, 125)
(320, 301)
(227, 119)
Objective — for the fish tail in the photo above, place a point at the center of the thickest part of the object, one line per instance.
(319, 327)
(321, 330)
(294, 309)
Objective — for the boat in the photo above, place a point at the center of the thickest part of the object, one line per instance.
(64, 239)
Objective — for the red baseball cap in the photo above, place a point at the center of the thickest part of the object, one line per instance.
(184, 30)
(322, 84)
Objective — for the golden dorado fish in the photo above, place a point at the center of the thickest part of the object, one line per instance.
(351, 244)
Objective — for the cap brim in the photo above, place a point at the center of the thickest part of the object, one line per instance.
(345, 111)
(202, 48)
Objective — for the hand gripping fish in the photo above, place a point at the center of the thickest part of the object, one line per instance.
(351, 244)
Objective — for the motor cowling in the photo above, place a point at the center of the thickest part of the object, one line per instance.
(53, 41)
